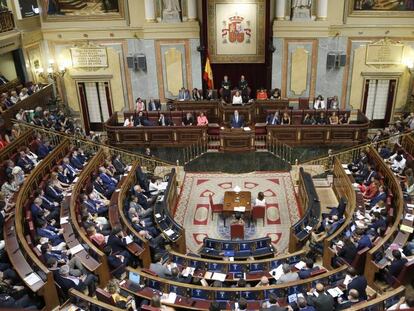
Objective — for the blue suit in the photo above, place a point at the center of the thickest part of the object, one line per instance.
(43, 151)
(365, 241)
(53, 194)
(379, 197)
(272, 120)
(108, 182)
(50, 233)
(76, 163)
(37, 211)
(71, 171)
(360, 284)
(237, 123)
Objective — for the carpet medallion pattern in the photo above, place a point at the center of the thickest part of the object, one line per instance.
(193, 208)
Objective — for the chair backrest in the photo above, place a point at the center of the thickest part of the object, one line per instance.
(258, 212)
(237, 231)
(104, 296)
(359, 260)
(405, 275)
(304, 103)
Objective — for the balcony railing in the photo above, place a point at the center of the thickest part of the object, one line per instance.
(6, 21)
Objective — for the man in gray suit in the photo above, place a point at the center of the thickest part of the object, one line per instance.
(324, 301)
(287, 275)
(160, 269)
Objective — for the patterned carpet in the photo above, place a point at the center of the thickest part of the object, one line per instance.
(193, 210)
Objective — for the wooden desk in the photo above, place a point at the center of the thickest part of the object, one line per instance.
(233, 199)
(237, 140)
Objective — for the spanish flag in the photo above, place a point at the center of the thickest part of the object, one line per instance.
(208, 74)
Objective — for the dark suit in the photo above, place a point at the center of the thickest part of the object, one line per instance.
(365, 241)
(189, 121)
(53, 194)
(154, 105)
(360, 284)
(272, 120)
(348, 253)
(396, 266)
(117, 244)
(76, 163)
(381, 196)
(237, 123)
(119, 166)
(116, 263)
(324, 302)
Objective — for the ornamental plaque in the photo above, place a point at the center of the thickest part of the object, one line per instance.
(89, 57)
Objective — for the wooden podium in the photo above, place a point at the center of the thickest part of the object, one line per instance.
(237, 140)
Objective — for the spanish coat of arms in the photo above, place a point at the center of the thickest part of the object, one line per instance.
(236, 30)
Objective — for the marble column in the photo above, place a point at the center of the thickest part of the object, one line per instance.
(322, 10)
(280, 10)
(149, 10)
(192, 10)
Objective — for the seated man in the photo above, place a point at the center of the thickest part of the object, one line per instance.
(358, 282)
(154, 105)
(54, 235)
(236, 120)
(116, 263)
(273, 119)
(66, 281)
(118, 244)
(107, 180)
(306, 272)
(188, 120)
(351, 299)
(43, 149)
(288, 275)
(163, 121)
(159, 268)
(397, 264)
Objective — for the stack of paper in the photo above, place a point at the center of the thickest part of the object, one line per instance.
(308, 228)
(246, 129)
(335, 292)
(300, 265)
(409, 217)
(240, 209)
(219, 276)
(128, 240)
(278, 272)
(188, 271)
(169, 298)
(347, 280)
(64, 220)
(32, 278)
(74, 250)
(169, 232)
(406, 229)
(208, 275)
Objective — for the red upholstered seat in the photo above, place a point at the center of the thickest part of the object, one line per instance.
(237, 231)
(259, 212)
(104, 296)
(215, 208)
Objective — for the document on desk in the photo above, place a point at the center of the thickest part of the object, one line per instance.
(75, 180)
(169, 298)
(406, 229)
(347, 280)
(76, 249)
(300, 265)
(32, 279)
(188, 271)
(128, 240)
(64, 220)
(169, 232)
(240, 209)
(409, 217)
(335, 292)
(278, 272)
(348, 172)
(208, 275)
(219, 276)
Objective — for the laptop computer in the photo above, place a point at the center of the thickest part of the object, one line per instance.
(135, 280)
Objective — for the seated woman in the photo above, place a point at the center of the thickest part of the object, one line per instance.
(123, 302)
(141, 120)
(333, 119)
(334, 104)
(275, 94)
(260, 200)
(129, 122)
(196, 94)
(343, 119)
(261, 94)
(237, 99)
(319, 103)
(321, 120)
(139, 105)
(285, 119)
(202, 119)
(308, 119)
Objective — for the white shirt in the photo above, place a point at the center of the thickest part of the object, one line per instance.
(399, 166)
(319, 104)
(127, 122)
(258, 202)
(237, 100)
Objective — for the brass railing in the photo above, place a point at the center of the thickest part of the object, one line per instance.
(350, 154)
(6, 21)
(279, 149)
(195, 150)
(150, 163)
